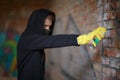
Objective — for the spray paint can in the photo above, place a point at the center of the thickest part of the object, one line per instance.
(94, 42)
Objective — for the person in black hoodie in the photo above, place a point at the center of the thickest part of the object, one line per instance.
(37, 37)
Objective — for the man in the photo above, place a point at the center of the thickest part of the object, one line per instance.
(37, 37)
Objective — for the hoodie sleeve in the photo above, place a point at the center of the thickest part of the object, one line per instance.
(54, 41)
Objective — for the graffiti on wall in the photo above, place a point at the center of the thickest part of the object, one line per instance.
(8, 42)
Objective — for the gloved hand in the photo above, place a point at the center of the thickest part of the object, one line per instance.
(83, 39)
(86, 38)
(99, 33)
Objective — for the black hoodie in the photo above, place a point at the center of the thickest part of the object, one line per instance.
(31, 45)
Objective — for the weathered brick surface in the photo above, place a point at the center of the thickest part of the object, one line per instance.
(109, 74)
(118, 75)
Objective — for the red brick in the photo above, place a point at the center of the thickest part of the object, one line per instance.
(17, 22)
(92, 1)
(107, 7)
(115, 63)
(118, 53)
(104, 1)
(100, 3)
(111, 34)
(109, 73)
(113, 5)
(86, 1)
(97, 67)
(109, 24)
(110, 6)
(118, 4)
(117, 23)
(110, 15)
(106, 16)
(117, 40)
(113, 14)
(108, 43)
(76, 9)
(94, 7)
(105, 60)
(110, 52)
(98, 75)
(99, 17)
(118, 13)
(118, 75)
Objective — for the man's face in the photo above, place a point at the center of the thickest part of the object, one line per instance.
(47, 24)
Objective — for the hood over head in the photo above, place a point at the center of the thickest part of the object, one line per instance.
(36, 22)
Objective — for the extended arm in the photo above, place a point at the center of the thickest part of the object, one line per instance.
(54, 41)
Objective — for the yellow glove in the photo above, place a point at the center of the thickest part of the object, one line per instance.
(86, 38)
(97, 35)
(83, 39)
